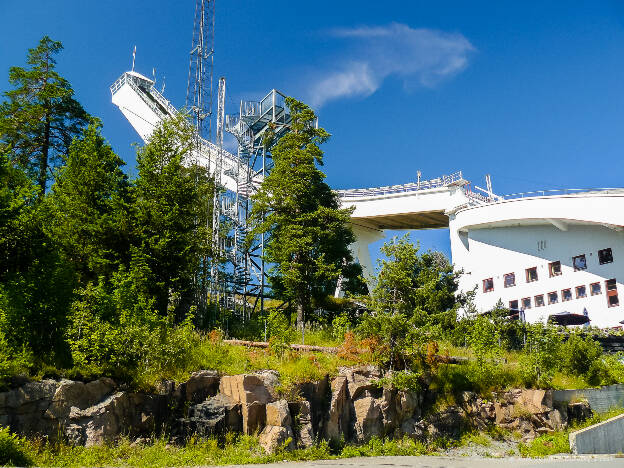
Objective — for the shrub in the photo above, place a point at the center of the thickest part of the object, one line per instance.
(579, 355)
(12, 450)
(340, 326)
(539, 359)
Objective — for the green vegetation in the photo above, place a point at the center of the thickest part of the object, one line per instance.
(234, 450)
(558, 442)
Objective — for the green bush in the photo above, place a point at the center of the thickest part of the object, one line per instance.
(539, 358)
(578, 355)
(12, 451)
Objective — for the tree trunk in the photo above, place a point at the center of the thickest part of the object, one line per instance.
(43, 159)
(300, 314)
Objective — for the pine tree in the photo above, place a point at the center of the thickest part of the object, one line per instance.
(173, 214)
(308, 233)
(90, 207)
(40, 117)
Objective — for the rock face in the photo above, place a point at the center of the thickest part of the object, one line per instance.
(352, 406)
(215, 416)
(530, 412)
(252, 392)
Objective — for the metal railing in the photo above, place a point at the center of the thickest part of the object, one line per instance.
(443, 181)
(555, 192)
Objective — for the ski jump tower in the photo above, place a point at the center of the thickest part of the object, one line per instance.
(237, 277)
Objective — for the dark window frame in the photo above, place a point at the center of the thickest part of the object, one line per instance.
(576, 290)
(612, 293)
(528, 278)
(488, 290)
(505, 280)
(569, 290)
(522, 301)
(511, 307)
(550, 268)
(574, 262)
(539, 303)
(600, 256)
(556, 301)
(591, 289)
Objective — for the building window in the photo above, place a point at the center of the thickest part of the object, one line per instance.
(554, 268)
(539, 300)
(513, 305)
(566, 295)
(595, 289)
(526, 303)
(612, 294)
(510, 280)
(488, 285)
(579, 262)
(553, 297)
(605, 256)
(531, 274)
(581, 292)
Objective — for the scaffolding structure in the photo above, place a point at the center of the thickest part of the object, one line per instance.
(248, 278)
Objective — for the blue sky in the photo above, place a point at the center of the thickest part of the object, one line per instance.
(531, 92)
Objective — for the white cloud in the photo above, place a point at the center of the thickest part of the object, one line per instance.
(419, 57)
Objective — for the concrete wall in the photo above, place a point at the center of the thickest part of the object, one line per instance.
(606, 437)
(599, 399)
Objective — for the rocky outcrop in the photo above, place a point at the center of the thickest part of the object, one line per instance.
(352, 406)
(215, 416)
(252, 392)
(528, 412)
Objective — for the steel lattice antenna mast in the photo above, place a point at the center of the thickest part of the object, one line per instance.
(199, 88)
(199, 103)
(216, 288)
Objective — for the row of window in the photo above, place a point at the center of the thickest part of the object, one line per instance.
(554, 269)
(566, 295)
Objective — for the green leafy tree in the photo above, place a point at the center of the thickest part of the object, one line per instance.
(173, 216)
(422, 287)
(40, 117)
(90, 208)
(308, 233)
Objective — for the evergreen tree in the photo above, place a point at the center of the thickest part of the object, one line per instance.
(173, 212)
(422, 287)
(40, 117)
(17, 197)
(90, 207)
(309, 234)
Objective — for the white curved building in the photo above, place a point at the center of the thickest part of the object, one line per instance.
(543, 253)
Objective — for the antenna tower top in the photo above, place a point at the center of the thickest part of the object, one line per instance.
(199, 88)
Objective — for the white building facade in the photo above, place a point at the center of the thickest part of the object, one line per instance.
(545, 254)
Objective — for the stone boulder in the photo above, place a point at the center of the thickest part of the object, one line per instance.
(274, 437)
(215, 416)
(368, 418)
(338, 417)
(200, 386)
(301, 410)
(253, 392)
(278, 414)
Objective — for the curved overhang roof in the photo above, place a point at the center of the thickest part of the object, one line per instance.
(597, 207)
